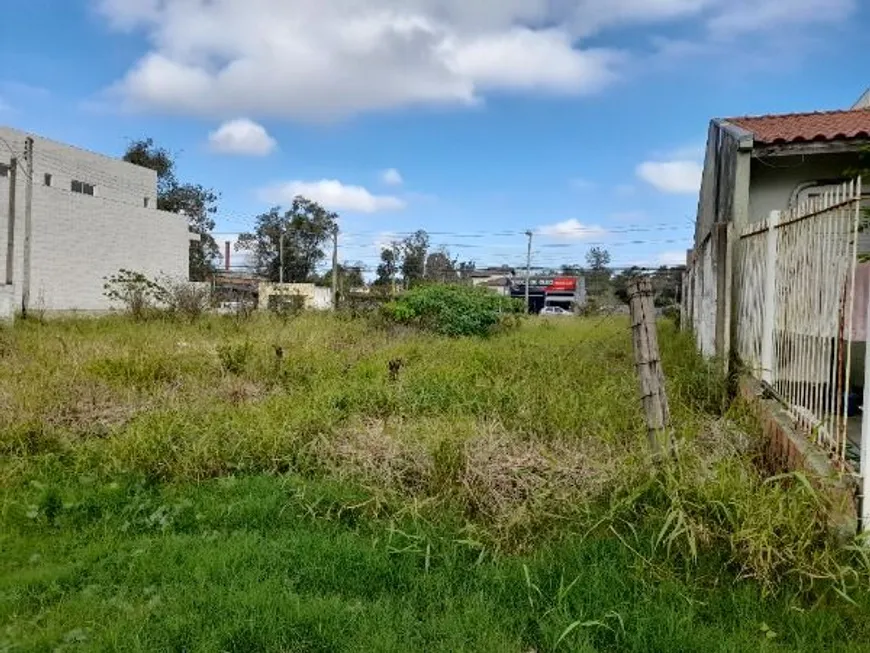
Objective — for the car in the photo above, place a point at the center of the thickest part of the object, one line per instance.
(555, 310)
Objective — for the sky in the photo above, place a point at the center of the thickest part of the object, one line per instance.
(583, 121)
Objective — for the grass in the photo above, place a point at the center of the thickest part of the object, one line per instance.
(269, 484)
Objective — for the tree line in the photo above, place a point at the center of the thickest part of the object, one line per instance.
(305, 230)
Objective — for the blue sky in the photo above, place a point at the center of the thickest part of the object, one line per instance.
(582, 120)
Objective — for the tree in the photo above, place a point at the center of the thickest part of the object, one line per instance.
(466, 269)
(196, 202)
(350, 276)
(598, 259)
(621, 281)
(305, 229)
(440, 267)
(414, 249)
(598, 275)
(389, 265)
(667, 284)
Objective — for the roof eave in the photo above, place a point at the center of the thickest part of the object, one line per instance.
(806, 148)
(745, 138)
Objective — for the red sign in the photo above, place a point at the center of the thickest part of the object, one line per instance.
(563, 284)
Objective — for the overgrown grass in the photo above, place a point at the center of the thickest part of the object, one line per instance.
(318, 484)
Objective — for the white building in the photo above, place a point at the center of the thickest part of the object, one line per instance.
(91, 216)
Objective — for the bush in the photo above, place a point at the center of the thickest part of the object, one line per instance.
(454, 310)
(139, 295)
(234, 357)
(287, 305)
(186, 299)
(143, 297)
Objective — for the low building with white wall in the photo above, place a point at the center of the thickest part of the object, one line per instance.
(91, 215)
(314, 297)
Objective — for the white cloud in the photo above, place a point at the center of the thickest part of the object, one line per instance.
(322, 59)
(392, 177)
(678, 177)
(333, 195)
(753, 16)
(242, 136)
(571, 229)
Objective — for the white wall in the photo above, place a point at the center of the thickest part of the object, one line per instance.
(78, 240)
(114, 179)
(775, 179)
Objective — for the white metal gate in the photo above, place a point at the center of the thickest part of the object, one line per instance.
(795, 312)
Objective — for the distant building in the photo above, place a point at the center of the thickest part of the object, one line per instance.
(91, 216)
(492, 277)
(568, 292)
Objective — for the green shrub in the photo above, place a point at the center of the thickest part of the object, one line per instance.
(139, 295)
(234, 357)
(454, 310)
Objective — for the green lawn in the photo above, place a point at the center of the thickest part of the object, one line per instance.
(171, 486)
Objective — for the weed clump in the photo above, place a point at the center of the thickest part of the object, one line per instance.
(454, 310)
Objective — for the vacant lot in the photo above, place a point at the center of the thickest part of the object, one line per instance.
(322, 484)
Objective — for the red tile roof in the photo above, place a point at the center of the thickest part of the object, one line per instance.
(802, 127)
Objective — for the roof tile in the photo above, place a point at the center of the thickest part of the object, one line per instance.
(804, 127)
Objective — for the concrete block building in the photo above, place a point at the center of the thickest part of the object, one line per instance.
(91, 215)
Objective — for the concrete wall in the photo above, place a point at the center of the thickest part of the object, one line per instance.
(114, 179)
(7, 304)
(77, 239)
(316, 297)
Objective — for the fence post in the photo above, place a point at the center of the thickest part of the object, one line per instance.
(864, 469)
(649, 366)
(769, 315)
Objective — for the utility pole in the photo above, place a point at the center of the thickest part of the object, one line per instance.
(528, 268)
(28, 224)
(335, 268)
(10, 233)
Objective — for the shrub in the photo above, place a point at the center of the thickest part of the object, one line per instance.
(454, 310)
(184, 299)
(139, 295)
(287, 305)
(234, 357)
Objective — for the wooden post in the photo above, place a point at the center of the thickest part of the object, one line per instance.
(649, 366)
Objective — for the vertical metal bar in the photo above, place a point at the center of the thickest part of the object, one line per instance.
(853, 254)
(767, 372)
(803, 276)
(836, 292)
(818, 408)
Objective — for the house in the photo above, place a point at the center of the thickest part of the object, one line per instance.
(755, 165)
(775, 285)
(90, 216)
